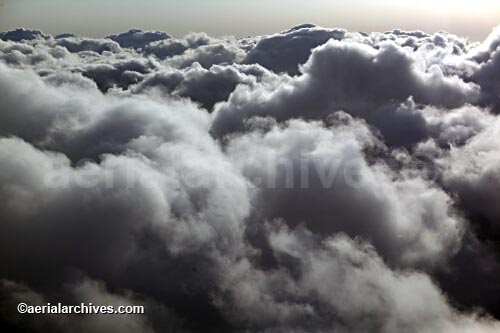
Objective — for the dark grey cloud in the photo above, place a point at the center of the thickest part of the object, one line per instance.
(315, 180)
(189, 221)
(138, 39)
(205, 86)
(65, 35)
(120, 74)
(284, 52)
(22, 34)
(487, 76)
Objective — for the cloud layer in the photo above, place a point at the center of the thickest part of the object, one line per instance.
(314, 180)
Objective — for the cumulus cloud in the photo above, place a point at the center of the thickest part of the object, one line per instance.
(219, 53)
(79, 44)
(138, 39)
(171, 47)
(121, 74)
(472, 171)
(284, 52)
(314, 180)
(353, 291)
(205, 86)
(353, 77)
(320, 177)
(22, 34)
(197, 48)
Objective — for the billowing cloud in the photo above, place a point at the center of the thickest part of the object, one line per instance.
(353, 77)
(138, 39)
(284, 52)
(315, 180)
(353, 291)
(320, 177)
(79, 44)
(22, 34)
(205, 86)
(473, 172)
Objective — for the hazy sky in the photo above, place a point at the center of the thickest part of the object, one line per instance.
(474, 19)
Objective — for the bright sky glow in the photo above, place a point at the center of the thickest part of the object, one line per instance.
(474, 19)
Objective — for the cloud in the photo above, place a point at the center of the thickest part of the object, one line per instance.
(181, 212)
(284, 52)
(472, 172)
(320, 177)
(22, 34)
(138, 39)
(120, 74)
(352, 290)
(483, 52)
(81, 44)
(171, 47)
(219, 53)
(486, 75)
(205, 86)
(314, 180)
(197, 48)
(347, 76)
